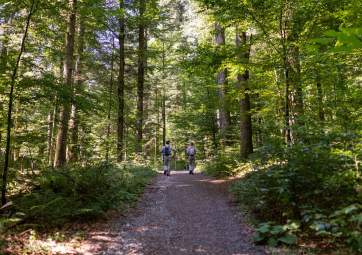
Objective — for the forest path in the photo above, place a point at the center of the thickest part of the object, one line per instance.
(180, 214)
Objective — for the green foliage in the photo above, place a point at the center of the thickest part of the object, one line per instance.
(276, 234)
(80, 193)
(316, 186)
(221, 165)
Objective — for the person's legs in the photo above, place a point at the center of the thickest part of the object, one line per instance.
(191, 164)
(168, 162)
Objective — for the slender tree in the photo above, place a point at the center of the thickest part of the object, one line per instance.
(110, 94)
(10, 102)
(221, 81)
(120, 88)
(141, 75)
(73, 148)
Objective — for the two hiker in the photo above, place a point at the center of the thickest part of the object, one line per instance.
(167, 153)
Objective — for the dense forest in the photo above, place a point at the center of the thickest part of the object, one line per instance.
(269, 91)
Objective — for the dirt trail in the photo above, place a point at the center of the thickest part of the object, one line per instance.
(180, 214)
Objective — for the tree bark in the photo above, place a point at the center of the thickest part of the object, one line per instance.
(164, 128)
(140, 76)
(221, 81)
(320, 100)
(110, 93)
(246, 134)
(61, 143)
(163, 103)
(50, 135)
(10, 104)
(120, 88)
(296, 95)
(73, 148)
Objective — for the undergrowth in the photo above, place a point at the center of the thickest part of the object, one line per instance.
(75, 194)
(303, 194)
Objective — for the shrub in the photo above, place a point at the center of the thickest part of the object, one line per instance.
(80, 193)
(316, 186)
(221, 166)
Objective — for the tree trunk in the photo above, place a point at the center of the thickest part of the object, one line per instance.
(50, 136)
(163, 103)
(295, 82)
(73, 149)
(110, 93)
(164, 116)
(3, 69)
(221, 81)
(140, 75)
(120, 89)
(10, 104)
(246, 135)
(61, 143)
(320, 100)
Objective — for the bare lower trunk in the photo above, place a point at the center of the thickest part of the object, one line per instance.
(110, 94)
(54, 129)
(61, 143)
(164, 116)
(140, 77)
(320, 100)
(50, 135)
(120, 89)
(296, 92)
(10, 104)
(246, 134)
(73, 149)
(163, 103)
(221, 81)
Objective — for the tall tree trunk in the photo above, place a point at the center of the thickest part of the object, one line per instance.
(221, 81)
(73, 149)
(284, 55)
(50, 136)
(120, 89)
(61, 143)
(140, 75)
(320, 99)
(10, 104)
(3, 69)
(295, 82)
(55, 120)
(110, 95)
(246, 134)
(163, 103)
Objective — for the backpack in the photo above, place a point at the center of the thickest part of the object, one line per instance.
(167, 150)
(191, 151)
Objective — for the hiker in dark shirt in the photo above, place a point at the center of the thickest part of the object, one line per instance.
(166, 158)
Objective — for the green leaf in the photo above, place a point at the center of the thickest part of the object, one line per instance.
(289, 239)
(264, 228)
(277, 229)
(273, 242)
(258, 238)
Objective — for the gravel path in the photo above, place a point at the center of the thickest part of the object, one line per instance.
(180, 214)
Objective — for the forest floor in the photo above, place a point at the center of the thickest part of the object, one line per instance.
(180, 214)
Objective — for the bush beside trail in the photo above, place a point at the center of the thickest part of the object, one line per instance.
(309, 194)
(76, 193)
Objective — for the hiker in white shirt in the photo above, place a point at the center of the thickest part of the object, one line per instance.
(191, 152)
